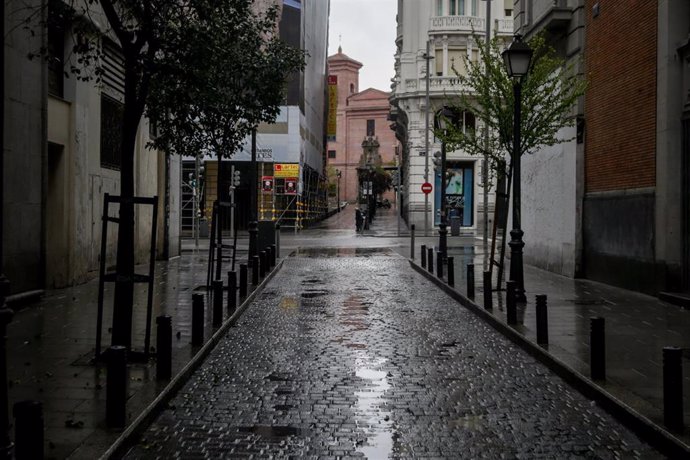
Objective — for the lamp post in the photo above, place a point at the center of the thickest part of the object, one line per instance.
(442, 119)
(517, 61)
(338, 174)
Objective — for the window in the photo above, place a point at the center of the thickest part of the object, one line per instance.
(456, 60)
(509, 13)
(439, 7)
(352, 88)
(474, 7)
(331, 154)
(371, 127)
(438, 62)
(453, 8)
(469, 122)
(112, 113)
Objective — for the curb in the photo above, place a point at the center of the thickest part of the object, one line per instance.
(659, 438)
(131, 434)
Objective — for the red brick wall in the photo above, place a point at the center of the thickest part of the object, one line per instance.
(620, 104)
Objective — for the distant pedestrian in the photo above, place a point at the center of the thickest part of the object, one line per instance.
(359, 220)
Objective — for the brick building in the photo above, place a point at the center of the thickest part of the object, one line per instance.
(360, 114)
(625, 218)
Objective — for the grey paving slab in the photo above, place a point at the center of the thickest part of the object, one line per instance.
(355, 355)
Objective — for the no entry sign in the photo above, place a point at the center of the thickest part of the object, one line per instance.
(426, 188)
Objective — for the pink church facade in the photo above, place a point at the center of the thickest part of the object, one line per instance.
(359, 114)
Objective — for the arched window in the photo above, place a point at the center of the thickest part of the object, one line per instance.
(352, 88)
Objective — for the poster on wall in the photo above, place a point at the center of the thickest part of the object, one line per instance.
(286, 169)
(290, 185)
(332, 107)
(267, 184)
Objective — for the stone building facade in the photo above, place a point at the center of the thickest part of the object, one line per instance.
(439, 33)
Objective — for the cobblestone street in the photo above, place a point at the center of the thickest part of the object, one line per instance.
(350, 352)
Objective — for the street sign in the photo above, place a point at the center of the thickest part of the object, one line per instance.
(426, 188)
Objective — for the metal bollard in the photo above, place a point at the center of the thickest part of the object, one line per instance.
(470, 281)
(262, 263)
(269, 259)
(511, 308)
(597, 348)
(277, 241)
(412, 242)
(163, 347)
(232, 291)
(488, 298)
(28, 430)
(116, 387)
(217, 302)
(451, 271)
(197, 319)
(430, 259)
(243, 281)
(255, 270)
(542, 320)
(673, 388)
(439, 265)
(274, 259)
(424, 256)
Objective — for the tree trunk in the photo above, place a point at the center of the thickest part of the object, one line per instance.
(124, 285)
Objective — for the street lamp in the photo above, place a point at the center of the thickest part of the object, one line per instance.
(517, 61)
(338, 174)
(442, 120)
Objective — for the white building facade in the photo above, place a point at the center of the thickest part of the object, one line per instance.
(447, 30)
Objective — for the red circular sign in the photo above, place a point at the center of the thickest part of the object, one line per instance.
(426, 188)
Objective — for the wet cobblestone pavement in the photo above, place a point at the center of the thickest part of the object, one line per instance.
(350, 353)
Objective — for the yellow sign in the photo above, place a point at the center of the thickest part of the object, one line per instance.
(332, 107)
(286, 170)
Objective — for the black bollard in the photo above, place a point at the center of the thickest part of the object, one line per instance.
(217, 302)
(232, 291)
(274, 259)
(451, 271)
(673, 388)
(277, 241)
(164, 347)
(412, 242)
(542, 320)
(255, 270)
(116, 387)
(243, 281)
(511, 309)
(197, 319)
(269, 259)
(424, 256)
(470, 281)
(439, 265)
(262, 263)
(597, 348)
(488, 298)
(28, 430)
(430, 259)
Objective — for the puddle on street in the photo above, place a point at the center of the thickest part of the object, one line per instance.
(374, 421)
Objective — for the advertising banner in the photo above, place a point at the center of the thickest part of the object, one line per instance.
(267, 184)
(286, 170)
(290, 185)
(332, 107)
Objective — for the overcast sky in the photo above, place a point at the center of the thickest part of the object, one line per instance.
(367, 28)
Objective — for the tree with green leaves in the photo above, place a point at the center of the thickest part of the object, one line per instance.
(206, 72)
(550, 92)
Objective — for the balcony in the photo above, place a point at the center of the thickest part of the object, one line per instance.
(504, 27)
(439, 25)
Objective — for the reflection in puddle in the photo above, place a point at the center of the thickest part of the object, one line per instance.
(373, 419)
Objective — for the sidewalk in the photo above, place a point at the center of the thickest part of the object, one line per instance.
(50, 347)
(638, 326)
